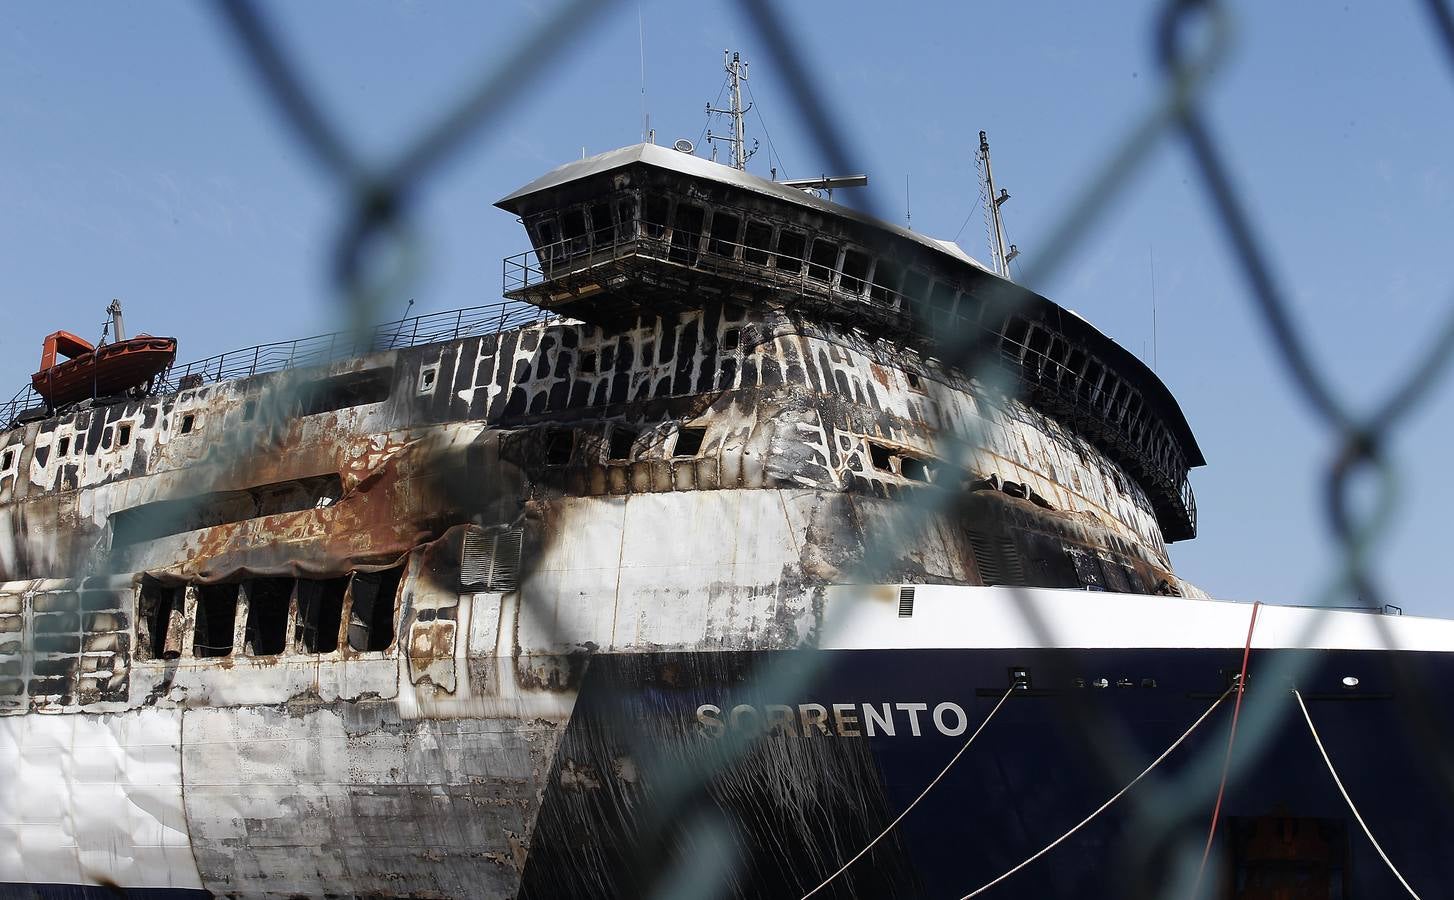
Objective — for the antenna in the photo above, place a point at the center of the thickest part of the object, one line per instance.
(1000, 257)
(118, 329)
(908, 210)
(1151, 248)
(737, 141)
(646, 134)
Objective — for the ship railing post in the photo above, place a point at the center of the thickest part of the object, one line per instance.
(256, 351)
(501, 327)
(458, 320)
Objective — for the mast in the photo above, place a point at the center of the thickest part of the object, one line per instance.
(1000, 257)
(736, 113)
(118, 328)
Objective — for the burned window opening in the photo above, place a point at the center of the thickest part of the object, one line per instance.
(63, 447)
(855, 270)
(689, 441)
(880, 456)
(620, 443)
(915, 469)
(216, 620)
(724, 234)
(756, 239)
(188, 421)
(123, 435)
(915, 382)
(657, 210)
(320, 613)
(166, 517)
(603, 228)
(558, 446)
(371, 616)
(731, 338)
(428, 376)
(686, 233)
(790, 249)
(626, 217)
(7, 459)
(160, 609)
(587, 364)
(345, 391)
(266, 629)
(886, 276)
(823, 261)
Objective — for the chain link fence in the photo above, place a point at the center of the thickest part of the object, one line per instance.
(1168, 818)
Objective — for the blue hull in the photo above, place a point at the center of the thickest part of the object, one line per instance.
(687, 765)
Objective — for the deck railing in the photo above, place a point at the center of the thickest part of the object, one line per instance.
(1099, 405)
(319, 349)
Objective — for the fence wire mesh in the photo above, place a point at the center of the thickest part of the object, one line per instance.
(1162, 856)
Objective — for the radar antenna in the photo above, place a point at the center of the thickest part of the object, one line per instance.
(1000, 257)
(737, 141)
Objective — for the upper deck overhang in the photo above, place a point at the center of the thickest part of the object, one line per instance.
(1064, 364)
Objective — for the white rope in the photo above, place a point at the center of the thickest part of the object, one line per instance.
(1102, 808)
(1349, 800)
(922, 794)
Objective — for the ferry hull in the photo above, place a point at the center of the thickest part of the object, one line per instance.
(662, 773)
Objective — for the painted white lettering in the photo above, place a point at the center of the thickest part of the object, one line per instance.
(939, 714)
(818, 719)
(708, 722)
(873, 720)
(846, 724)
(913, 709)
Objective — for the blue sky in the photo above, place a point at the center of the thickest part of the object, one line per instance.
(139, 160)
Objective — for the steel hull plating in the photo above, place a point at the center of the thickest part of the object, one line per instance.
(664, 769)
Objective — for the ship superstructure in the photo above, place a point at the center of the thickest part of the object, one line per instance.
(382, 618)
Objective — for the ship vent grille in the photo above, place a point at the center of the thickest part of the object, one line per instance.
(906, 602)
(985, 559)
(491, 560)
(997, 559)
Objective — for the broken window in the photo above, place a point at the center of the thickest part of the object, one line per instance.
(724, 234)
(216, 620)
(914, 469)
(880, 456)
(63, 447)
(160, 610)
(371, 617)
(188, 422)
(790, 248)
(6, 459)
(267, 616)
(320, 613)
(123, 435)
(573, 229)
(622, 440)
(428, 375)
(855, 270)
(885, 286)
(656, 215)
(626, 217)
(344, 391)
(941, 298)
(916, 286)
(823, 260)
(686, 232)
(757, 238)
(603, 229)
(689, 441)
(558, 446)
(915, 382)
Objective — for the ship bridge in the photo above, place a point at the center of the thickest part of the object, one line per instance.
(645, 230)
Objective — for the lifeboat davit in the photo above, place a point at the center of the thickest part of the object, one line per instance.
(103, 371)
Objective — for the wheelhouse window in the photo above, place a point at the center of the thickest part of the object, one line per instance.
(855, 270)
(724, 234)
(757, 238)
(603, 227)
(822, 261)
(790, 248)
(686, 232)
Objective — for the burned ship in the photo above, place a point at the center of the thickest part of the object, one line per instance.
(691, 563)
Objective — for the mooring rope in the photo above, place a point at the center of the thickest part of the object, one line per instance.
(1227, 760)
(1104, 806)
(1349, 800)
(922, 794)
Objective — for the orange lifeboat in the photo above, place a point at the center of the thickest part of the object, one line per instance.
(103, 371)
